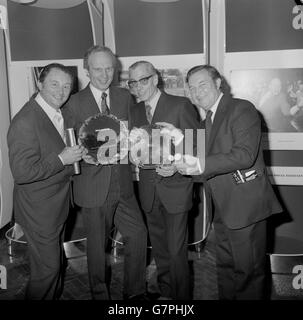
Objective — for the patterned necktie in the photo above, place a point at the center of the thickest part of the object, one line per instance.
(103, 105)
(208, 125)
(149, 115)
(59, 123)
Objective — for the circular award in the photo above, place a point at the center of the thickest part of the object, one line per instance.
(105, 138)
(149, 147)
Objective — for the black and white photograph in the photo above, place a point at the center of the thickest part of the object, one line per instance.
(151, 155)
(276, 93)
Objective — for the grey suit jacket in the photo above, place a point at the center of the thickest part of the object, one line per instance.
(92, 185)
(235, 144)
(175, 192)
(42, 183)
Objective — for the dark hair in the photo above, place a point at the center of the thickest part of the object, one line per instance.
(212, 71)
(95, 49)
(47, 69)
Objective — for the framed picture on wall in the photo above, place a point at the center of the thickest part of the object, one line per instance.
(278, 96)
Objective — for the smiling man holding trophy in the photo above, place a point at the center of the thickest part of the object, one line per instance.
(165, 195)
(104, 189)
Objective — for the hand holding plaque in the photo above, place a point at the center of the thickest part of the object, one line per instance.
(150, 148)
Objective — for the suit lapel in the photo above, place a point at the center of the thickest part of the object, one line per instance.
(90, 106)
(142, 113)
(160, 109)
(114, 102)
(219, 116)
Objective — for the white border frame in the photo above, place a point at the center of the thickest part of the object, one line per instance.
(262, 60)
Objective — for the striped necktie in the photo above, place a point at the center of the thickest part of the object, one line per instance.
(149, 115)
(103, 105)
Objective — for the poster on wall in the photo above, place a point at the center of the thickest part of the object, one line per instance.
(263, 25)
(290, 176)
(278, 96)
(173, 43)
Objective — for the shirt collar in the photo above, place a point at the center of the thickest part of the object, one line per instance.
(154, 100)
(98, 93)
(214, 108)
(49, 110)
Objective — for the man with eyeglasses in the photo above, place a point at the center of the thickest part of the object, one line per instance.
(105, 192)
(165, 195)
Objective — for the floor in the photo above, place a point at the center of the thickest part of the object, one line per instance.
(202, 265)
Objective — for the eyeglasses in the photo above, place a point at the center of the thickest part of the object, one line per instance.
(143, 81)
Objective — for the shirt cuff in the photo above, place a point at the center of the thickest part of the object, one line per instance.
(61, 159)
(178, 136)
(199, 166)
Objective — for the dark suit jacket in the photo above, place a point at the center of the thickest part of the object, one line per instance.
(42, 183)
(235, 144)
(175, 192)
(91, 186)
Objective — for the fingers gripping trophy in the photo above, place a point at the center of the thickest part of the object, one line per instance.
(107, 141)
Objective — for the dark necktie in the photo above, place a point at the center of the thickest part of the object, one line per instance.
(149, 115)
(208, 125)
(104, 107)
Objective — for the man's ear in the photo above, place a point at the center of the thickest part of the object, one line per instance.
(155, 80)
(218, 83)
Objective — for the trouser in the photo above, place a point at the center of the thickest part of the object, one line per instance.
(127, 217)
(241, 260)
(168, 236)
(46, 254)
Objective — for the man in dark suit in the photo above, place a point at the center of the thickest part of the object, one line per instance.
(236, 184)
(165, 195)
(41, 166)
(105, 192)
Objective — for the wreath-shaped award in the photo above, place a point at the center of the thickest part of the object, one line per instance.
(149, 147)
(105, 137)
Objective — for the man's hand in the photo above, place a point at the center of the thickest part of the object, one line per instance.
(106, 160)
(166, 170)
(70, 155)
(172, 131)
(189, 165)
(88, 159)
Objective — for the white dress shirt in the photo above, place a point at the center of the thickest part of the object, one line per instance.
(214, 108)
(153, 101)
(55, 117)
(98, 94)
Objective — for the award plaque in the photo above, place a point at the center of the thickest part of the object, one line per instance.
(105, 138)
(149, 148)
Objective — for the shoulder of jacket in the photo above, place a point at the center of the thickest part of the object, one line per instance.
(26, 115)
(180, 101)
(120, 90)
